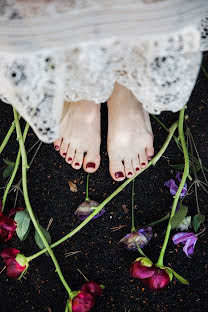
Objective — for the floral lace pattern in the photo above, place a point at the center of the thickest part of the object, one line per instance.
(160, 70)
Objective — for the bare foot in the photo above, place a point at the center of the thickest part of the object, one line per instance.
(80, 135)
(130, 138)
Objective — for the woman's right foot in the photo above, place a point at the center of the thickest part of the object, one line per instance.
(130, 138)
(80, 135)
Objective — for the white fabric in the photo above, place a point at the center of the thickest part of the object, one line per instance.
(73, 50)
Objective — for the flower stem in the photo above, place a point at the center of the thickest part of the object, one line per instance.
(107, 200)
(132, 209)
(7, 137)
(183, 180)
(87, 199)
(15, 169)
(28, 205)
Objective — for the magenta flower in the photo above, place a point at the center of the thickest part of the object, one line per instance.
(141, 271)
(93, 288)
(188, 239)
(86, 208)
(140, 237)
(15, 262)
(174, 187)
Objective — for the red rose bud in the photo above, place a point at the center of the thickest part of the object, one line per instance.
(16, 262)
(140, 271)
(92, 288)
(158, 281)
(83, 302)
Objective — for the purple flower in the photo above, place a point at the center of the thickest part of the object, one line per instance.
(188, 239)
(140, 237)
(174, 187)
(86, 208)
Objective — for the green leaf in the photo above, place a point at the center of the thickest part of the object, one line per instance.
(178, 217)
(178, 167)
(9, 163)
(170, 273)
(197, 220)
(179, 277)
(38, 240)
(22, 219)
(7, 172)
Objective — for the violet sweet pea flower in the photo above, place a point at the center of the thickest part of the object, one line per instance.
(174, 187)
(86, 208)
(140, 237)
(188, 239)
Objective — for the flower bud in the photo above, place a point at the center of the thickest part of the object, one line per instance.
(16, 263)
(83, 302)
(140, 237)
(93, 288)
(141, 270)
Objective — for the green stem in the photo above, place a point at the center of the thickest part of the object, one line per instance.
(87, 199)
(194, 159)
(107, 200)
(7, 137)
(28, 205)
(132, 209)
(15, 169)
(183, 180)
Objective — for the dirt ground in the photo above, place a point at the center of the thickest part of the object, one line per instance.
(100, 257)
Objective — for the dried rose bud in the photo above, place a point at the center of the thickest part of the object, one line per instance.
(16, 262)
(140, 237)
(93, 288)
(139, 269)
(86, 208)
(83, 302)
(158, 281)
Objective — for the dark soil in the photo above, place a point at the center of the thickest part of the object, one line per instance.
(101, 258)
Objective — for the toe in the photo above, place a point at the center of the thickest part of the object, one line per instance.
(78, 159)
(64, 148)
(57, 144)
(150, 152)
(70, 154)
(136, 164)
(91, 162)
(143, 159)
(116, 169)
(129, 171)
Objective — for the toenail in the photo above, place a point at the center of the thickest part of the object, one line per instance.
(150, 157)
(119, 175)
(69, 159)
(56, 147)
(143, 164)
(90, 165)
(129, 173)
(137, 169)
(64, 154)
(76, 164)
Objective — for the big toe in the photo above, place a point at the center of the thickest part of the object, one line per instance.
(116, 169)
(91, 162)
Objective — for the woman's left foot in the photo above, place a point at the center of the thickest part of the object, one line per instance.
(130, 138)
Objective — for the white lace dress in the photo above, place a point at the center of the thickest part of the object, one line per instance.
(72, 50)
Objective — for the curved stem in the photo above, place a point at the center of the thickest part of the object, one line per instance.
(7, 137)
(183, 180)
(132, 209)
(107, 200)
(15, 169)
(87, 199)
(28, 205)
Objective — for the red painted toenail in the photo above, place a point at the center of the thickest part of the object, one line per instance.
(119, 175)
(69, 159)
(129, 173)
(143, 164)
(56, 147)
(76, 164)
(150, 157)
(137, 169)
(64, 154)
(90, 165)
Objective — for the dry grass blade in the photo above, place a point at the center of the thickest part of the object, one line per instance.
(116, 228)
(49, 224)
(71, 253)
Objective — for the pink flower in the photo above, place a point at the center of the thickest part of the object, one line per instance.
(7, 224)
(85, 299)
(140, 271)
(188, 239)
(158, 281)
(16, 263)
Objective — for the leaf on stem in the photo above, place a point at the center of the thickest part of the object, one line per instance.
(197, 220)
(179, 167)
(38, 239)
(179, 277)
(22, 219)
(9, 169)
(178, 217)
